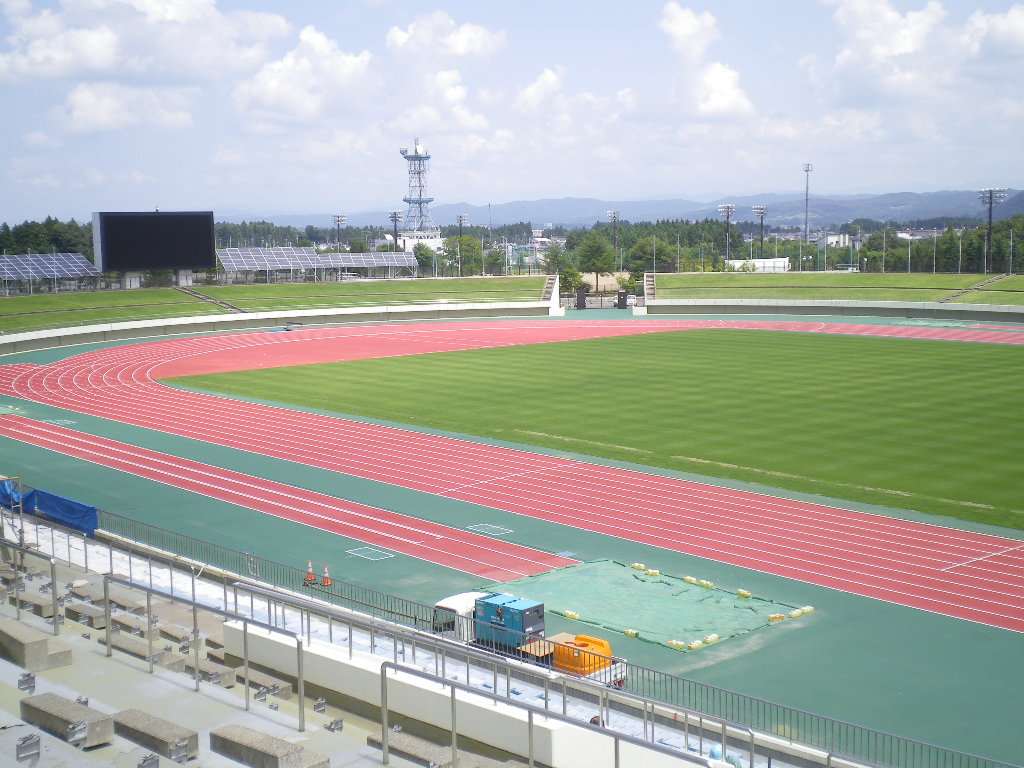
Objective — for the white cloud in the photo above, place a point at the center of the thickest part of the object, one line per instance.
(542, 90)
(40, 139)
(719, 93)
(886, 54)
(71, 51)
(447, 86)
(137, 37)
(300, 86)
(711, 90)
(99, 107)
(437, 33)
(1001, 32)
(691, 33)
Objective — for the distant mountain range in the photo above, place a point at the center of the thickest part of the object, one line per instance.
(784, 209)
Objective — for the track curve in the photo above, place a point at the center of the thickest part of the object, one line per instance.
(967, 575)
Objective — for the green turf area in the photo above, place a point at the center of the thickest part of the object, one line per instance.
(924, 425)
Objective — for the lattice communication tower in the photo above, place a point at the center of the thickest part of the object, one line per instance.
(417, 217)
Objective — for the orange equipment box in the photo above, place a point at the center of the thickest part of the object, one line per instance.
(583, 655)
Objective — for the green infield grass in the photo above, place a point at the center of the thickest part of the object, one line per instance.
(931, 426)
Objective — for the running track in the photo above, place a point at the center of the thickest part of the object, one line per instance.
(957, 573)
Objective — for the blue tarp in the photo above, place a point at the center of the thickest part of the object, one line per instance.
(67, 512)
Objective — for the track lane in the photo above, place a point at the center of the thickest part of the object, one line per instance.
(461, 550)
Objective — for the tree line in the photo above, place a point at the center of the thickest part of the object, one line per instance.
(628, 248)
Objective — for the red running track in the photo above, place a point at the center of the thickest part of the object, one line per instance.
(483, 556)
(957, 573)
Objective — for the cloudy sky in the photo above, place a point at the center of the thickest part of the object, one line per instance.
(264, 107)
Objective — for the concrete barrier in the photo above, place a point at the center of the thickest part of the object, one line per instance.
(31, 649)
(259, 750)
(154, 733)
(60, 717)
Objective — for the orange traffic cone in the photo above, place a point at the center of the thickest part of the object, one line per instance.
(327, 576)
(310, 576)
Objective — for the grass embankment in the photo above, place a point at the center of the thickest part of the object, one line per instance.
(48, 310)
(923, 425)
(1009, 290)
(814, 286)
(60, 310)
(265, 298)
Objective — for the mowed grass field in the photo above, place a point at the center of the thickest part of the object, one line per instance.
(922, 425)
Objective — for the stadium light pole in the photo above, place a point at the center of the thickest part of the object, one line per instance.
(807, 203)
(340, 219)
(990, 197)
(727, 210)
(761, 211)
(614, 217)
(395, 217)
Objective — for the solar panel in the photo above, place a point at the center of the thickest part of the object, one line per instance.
(34, 266)
(263, 259)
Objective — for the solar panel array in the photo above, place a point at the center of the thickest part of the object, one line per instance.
(33, 266)
(269, 259)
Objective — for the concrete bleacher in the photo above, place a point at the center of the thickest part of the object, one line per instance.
(30, 648)
(139, 648)
(161, 736)
(258, 749)
(62, 717)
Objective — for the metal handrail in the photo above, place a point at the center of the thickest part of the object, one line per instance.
(806, 728)
(531, 710)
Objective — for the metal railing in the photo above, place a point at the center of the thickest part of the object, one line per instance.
(823, 733)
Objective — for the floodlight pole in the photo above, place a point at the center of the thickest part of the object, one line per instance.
(340, 219)
(760, 211)
(727, 210)
(395, 217)
(463, 220)
(614, 217)
(990, 197)
(807, 203)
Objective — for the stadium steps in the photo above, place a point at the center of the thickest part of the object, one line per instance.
(204, 297)
(549, 288)
(650, 292)
(953, 296)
